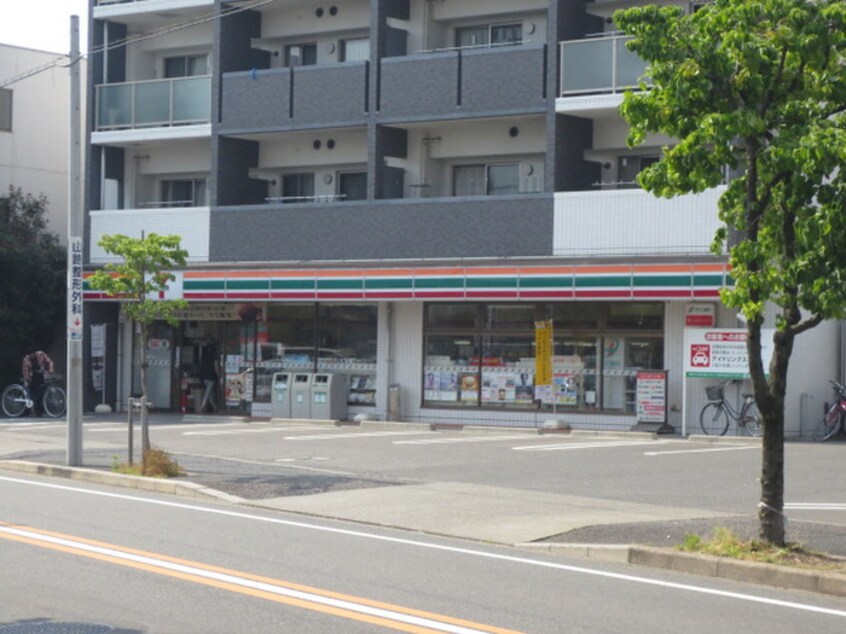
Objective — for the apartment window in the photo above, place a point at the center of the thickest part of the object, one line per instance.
(355, 49)
(5, 109)
(486, 180)
(489, 35)
(352, 185)
(301, 55)
(298, 187)
(186, 66)
(189, 192)
(628, 167)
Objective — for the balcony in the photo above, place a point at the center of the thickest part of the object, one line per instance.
(601, 65)
(633, 222)
(301, 97)
(191, 224)
(461, 82)
(154, 103)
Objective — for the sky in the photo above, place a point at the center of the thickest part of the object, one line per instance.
(42, 24)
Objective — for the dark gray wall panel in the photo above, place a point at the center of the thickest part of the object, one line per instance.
(419, 85)
(266, 99)
(503, 79)
(466, 227)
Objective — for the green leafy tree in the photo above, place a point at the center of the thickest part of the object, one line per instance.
(138, 281)
(32, 280)
(758, 86)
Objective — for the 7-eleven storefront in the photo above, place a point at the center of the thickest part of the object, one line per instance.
(459, 342)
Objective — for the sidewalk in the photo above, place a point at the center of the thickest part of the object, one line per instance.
(570, 525)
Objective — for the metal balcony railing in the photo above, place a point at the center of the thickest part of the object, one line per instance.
(154, 103)
(599, 65)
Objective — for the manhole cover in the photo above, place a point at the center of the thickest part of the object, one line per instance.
(49, 627)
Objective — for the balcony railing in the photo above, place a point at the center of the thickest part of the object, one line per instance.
(155, 103)
(599, 65)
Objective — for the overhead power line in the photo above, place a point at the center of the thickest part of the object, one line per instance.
(209, 17)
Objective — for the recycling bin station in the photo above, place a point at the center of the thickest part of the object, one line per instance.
(281, 398)
(329, 395)
(300, 394)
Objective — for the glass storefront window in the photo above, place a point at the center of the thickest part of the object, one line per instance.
(451, 372)
(484, 354)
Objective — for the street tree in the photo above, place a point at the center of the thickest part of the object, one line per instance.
(757, 86)
(32, 280)
(139, 281)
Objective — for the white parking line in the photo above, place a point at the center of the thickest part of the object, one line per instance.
(713, 450)
(354, 435)
(462, 439)
(585, 445)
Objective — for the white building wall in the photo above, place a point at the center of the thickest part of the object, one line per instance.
(34, 155)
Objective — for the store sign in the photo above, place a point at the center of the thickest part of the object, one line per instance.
(208, 312)
(75, 289)
(722, 352)
(702, 315)
(652, 396)
(543, 352)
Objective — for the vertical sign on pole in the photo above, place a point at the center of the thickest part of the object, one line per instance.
(75, 289)
(543, 360)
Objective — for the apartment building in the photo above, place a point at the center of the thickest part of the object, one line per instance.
(398, 192)
(34, 124)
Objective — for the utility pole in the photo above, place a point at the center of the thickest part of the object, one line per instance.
(75, 259)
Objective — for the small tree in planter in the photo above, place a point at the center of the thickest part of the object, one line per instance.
(139, 281)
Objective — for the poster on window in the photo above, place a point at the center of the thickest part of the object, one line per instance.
(431, 384)
(469, 387)
(652, 396)
(499, 387)
(566, 388)
(234, 389)
(448, 386)
(524, 391)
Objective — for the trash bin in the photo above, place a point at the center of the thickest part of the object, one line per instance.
(300, 395)
(329, 393)
(281, 404)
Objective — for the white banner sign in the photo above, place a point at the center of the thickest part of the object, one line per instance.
(721, 352)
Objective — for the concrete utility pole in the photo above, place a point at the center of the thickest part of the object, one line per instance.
(75, 256)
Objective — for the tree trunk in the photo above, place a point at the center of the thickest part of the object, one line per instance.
(769, 395)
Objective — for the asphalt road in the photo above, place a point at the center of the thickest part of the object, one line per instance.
(117, 561)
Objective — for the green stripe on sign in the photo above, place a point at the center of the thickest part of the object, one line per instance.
(663, 280)
(492, 282)
(546, 282)
(246, 285)
(293, 284)
(440, 282)
(708, 280)
(623, 281)
(398, 283)
(216, 285)
(328, 285)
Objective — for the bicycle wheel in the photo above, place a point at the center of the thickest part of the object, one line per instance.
(54, 401)
(14, 401)
(829, 425)
(714, 420)
(751, 419)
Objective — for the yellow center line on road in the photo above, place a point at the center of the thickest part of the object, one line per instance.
(386, 615)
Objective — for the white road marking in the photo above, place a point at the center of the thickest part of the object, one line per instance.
(816, 506)
(269, 464)
(602, 444)
(462, 439)
(751, 598)
(712, 450)
(355, 435)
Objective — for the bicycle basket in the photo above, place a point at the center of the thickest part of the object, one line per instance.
(714, 392)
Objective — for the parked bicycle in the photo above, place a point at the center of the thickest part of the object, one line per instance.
(716, 415)
(832, 421)
(16, 399)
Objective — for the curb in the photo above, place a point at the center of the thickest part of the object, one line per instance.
(773, 575)
(139, 483)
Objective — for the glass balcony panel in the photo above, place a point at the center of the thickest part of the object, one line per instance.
(152, 103)
(191, 101)
(630, 67)
(588, 65)
(114, 106)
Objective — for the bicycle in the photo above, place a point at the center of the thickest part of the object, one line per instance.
(714, 418)
(832, 420)
(16, 399)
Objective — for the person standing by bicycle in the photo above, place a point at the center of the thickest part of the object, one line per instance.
(35, 365)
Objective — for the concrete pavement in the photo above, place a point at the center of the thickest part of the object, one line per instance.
(469, 511)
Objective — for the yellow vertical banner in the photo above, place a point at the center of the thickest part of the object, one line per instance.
(543, 352)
